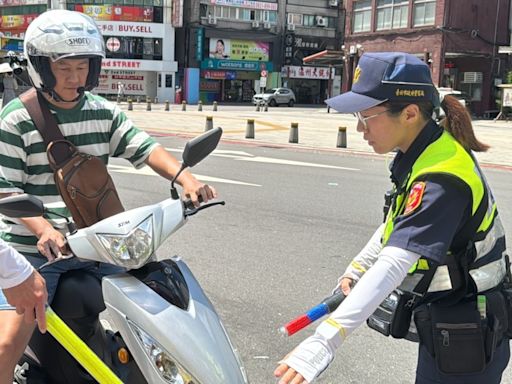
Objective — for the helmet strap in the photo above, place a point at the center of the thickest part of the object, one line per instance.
(55, 96)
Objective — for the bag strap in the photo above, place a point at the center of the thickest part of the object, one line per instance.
(47, 126)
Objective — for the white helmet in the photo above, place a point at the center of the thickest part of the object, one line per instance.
(60, 34)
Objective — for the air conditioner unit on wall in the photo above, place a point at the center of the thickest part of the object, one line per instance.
(290, 27)
(255, 24)
(212, 20)
(333, 3)
(267, 25)
(321, 21)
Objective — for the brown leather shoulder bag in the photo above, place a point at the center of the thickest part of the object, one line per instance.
(81, 179)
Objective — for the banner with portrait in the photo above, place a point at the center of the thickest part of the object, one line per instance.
(240, 50)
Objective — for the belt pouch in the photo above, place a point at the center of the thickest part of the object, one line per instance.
(459, 337)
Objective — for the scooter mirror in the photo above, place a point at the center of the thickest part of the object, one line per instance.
(21, 206)
(201, 146)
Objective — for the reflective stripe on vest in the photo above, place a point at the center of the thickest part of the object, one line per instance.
(447, 156)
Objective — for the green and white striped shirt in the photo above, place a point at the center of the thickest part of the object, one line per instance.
(94, 126)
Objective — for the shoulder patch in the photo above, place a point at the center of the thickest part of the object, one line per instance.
(414, 198)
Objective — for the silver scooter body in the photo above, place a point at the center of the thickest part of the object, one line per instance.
(194, 337)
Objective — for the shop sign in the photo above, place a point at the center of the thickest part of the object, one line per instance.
(139, 65)
(246, 4)
(8, 44)
(236, 65)
(149, 30)
(199, 44)
(177, 13)
(209, 86)
(134, 82)
(302, 43)
(242, 50)
(116, 13)
(298, 72)
(113, 44)
(507, 97)
(219, 75)
(16, 21)
(8, 3)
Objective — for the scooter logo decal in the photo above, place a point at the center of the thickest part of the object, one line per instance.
(415, 196)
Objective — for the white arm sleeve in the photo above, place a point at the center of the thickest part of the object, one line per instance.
(315, 353)
(14, 267)
(366, 258)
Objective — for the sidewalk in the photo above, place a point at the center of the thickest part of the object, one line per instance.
(317, 128)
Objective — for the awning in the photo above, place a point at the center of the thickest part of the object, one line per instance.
(326, 57)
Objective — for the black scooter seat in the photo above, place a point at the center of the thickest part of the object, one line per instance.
(78, 295)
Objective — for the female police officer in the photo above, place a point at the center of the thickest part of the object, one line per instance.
(442, 243)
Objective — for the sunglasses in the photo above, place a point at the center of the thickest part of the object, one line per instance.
(362, 119)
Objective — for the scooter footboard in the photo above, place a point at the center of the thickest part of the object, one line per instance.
(190, 336)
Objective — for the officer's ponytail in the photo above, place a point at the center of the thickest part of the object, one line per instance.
(458, 123)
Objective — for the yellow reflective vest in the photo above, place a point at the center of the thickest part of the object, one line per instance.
(446, 156)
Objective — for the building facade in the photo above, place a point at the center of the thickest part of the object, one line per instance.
(458, 38)
(139, 38)
(235, 48)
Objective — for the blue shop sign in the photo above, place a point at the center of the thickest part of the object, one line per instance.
(236, 65)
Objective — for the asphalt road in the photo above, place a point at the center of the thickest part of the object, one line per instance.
(292, 222)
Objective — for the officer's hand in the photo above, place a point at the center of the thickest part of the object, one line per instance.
(193, 188)
(51, 244)
(288, 375)
(346, 285)
(30, 298)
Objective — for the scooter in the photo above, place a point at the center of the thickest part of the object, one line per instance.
(167, 329)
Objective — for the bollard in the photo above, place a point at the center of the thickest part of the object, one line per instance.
(200, 106)
(156, 100)
(183, 105)
(294, 133)
(257, 107)
(138, 99)
(167, 108)
(130, 104)
(148, 106)
(209, 123)
(265, 108)
(214, 106)
(249, 131)
(342, 138)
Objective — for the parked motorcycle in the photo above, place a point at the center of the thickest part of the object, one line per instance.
(167, 329)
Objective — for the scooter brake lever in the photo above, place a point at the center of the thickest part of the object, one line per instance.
(193, 211)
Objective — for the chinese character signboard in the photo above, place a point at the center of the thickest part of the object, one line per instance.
(292, 71)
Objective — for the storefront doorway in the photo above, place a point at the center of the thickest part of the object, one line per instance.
(238, 91)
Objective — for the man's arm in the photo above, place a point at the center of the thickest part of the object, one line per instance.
(23, 287)
(166, 165)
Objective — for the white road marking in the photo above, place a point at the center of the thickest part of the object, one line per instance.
(244, 156)
(147, 171)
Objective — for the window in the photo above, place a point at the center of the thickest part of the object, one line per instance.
(362, 16)
(309, 20)
(136, 48)
(295, 18)
(424, 12)
(392, 14)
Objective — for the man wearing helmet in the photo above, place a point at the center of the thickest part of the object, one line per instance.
(64, 51)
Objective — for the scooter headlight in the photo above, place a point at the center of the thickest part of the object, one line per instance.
(168, 368)
(131, 250)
